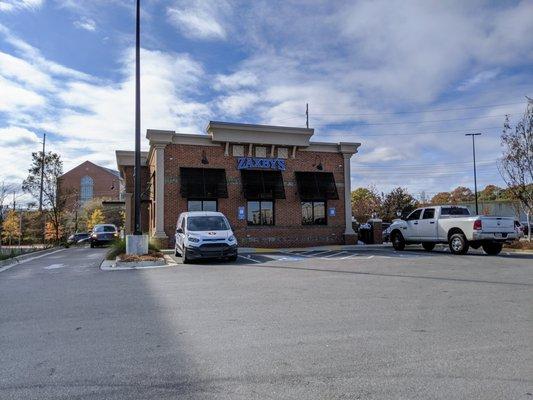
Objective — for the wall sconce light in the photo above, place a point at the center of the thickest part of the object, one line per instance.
(204, 158)
(318, 164)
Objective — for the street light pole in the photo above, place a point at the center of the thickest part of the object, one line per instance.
(43, 160)
(137, 171)
(474, 157)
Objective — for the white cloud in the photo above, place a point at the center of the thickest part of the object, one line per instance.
(85, 23)
(200, 19)
(89, 118)
(13, 5)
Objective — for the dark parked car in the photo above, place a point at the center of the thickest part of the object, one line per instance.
(103, 234)
(79, 237)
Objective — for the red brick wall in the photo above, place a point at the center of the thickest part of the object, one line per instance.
(288, 230)
(70, 183)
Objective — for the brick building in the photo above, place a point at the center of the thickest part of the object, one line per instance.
(276, 187)
(88, 181)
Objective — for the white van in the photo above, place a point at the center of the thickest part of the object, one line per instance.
(204, 234)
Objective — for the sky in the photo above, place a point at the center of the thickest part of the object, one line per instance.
(406, 79)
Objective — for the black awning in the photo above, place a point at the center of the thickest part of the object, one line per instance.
(316, 186)
(203, 183)
(267, 185)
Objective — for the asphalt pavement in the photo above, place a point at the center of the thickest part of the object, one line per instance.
(368, 324)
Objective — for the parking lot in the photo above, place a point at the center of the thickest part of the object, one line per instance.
(358, 324)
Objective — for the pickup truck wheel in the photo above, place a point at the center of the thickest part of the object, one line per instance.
(398, 242)
(492, 249)
(428, 246)
(458, 244)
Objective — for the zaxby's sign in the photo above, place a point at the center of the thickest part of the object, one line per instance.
(277, 164)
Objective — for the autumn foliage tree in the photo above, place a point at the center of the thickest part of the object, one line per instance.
(97, 217)
(11, 226)
(365, 203)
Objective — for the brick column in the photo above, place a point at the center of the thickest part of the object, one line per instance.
(159, 234)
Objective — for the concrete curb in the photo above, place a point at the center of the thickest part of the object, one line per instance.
(112, 265)
(22, 257)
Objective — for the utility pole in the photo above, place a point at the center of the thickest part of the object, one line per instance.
(42, 186)
(474, 157)
(307, 115)
(137, 171)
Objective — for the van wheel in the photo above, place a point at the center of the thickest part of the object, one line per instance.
(186, 260)
(492, 249)
(398, 242)
(428, 246)
(458, 244)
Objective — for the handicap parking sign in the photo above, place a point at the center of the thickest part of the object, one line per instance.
(241, 213)
(331, 211)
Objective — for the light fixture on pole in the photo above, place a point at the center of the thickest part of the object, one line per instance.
(474, 157)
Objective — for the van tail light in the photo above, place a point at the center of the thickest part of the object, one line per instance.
(477, 225)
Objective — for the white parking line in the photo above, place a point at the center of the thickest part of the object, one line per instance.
(248, 258)
(28, 259)
(335, 254)
(55, 266)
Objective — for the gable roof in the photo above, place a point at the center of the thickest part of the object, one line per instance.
(107, 170)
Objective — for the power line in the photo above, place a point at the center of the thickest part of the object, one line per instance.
(410, 122)
(458, 131)
(404, 112)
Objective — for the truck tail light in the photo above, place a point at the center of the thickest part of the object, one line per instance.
(477, 225)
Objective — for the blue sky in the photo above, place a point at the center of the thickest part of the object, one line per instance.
(407, 79)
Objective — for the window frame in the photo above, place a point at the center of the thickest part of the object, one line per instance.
(312, 202)
(260, 209)
(86, 188)
(428, 209)
(202, 201)
(419, 210)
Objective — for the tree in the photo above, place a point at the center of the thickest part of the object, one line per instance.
(516, 164)
(398, 200)
(365, 202)
(4, 190)
(53, 233)
(97, 217)
(461, 194)
(53, 205)
(441, 198)
(490, 193)
(11, 226)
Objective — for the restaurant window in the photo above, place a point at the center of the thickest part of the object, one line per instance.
(203, 183)
(260, 213)
(314, 213)
(202, 205)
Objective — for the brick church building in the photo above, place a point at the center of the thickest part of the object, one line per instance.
(89, 181)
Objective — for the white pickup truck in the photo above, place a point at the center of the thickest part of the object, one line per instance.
(453, 225)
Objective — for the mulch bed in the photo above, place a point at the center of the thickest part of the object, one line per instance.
(151, 256)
